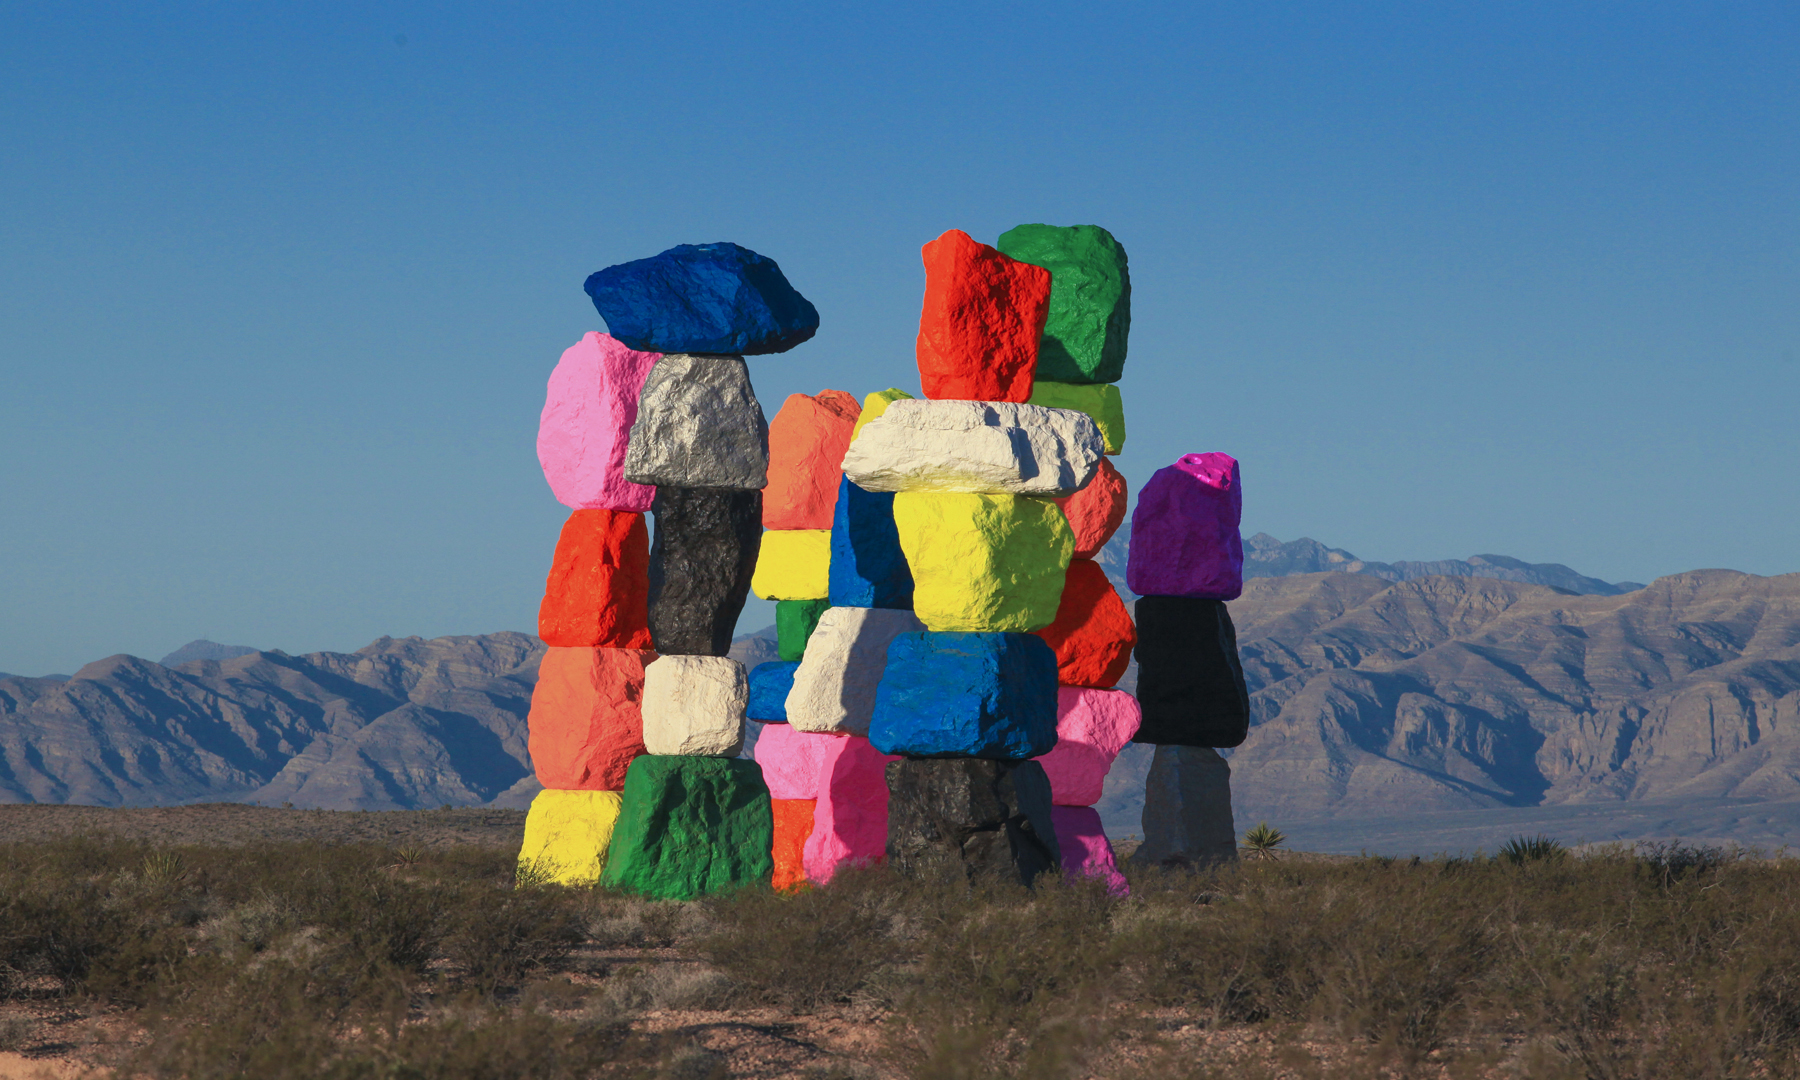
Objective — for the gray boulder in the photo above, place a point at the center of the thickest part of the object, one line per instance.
(700, 565)
(1187, 810)
(699, 425)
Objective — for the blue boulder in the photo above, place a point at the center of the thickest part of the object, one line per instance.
(703, 298)
(769, 686)
(868, 569)
(982, 695)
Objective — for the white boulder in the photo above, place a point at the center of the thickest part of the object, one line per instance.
(834, 686)
(983, 447)
(694, 706)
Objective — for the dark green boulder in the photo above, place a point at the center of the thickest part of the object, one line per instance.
(691, 826)
(1090, 299)
(794, 622)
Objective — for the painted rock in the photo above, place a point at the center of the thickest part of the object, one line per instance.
(1096, 511)
(706, 298)
(598, 591)
(701, 562)
(699, 425)
(586, 721)
(1101, 404)
(567, 834)
(1093, 634)
(1090, 299)
(997, 447)
(806, 455)
(835, 685)
(876, 404)
(589, 407)
(868, 569)
(794, 564)
(984, 562)
(694, 705)
(689, 827)
(1085, 849)
(794, 622)
(1184, 532)
(793, 762)
(770, 683)
(967, 695)
(1190, 683)
(1187, 810)
(1092, 726)
(793, 821)
(981, 321)
(968, 819)
(850, 819)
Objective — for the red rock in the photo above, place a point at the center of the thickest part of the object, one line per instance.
(585, 722)
(807, 440)
(598, 592)
(1093, 634)
(1096, 511)
(793, 824)
(981, 323)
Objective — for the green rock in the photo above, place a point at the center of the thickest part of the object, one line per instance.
(690, 827)
(1103, 403)
(794, 622)
(1090, 299)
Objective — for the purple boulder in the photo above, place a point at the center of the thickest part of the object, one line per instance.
(1184, 532)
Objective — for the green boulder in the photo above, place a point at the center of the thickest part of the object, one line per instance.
(1090, 299)
(1102, 402)
(794, 622)
(690, 827)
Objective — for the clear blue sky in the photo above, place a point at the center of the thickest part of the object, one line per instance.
(280, 285)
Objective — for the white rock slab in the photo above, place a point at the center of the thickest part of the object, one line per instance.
(983, 447)
(834, 686)
(694, 706)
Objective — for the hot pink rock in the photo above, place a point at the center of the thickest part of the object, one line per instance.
(1084, 847)
(1092, 726)
(588, 412)
(1184, 532)
(792, 761)
(850, 821)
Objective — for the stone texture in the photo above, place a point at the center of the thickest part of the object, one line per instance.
(1184, 532)
(794, 564)
(807, 439)
(598, 590)
(835, 685)
(1089, 319)
(793, 822)
(874, 405)
(966, 695)
(982, 317)
(699, 425)
(567, 834)
(984, 562)
(998, 447)
(793, 762)
(586, 717)
(1085, 850)
(1097, 510)
(968, 819)
(694, 706)
(1187, 810)
(1101, 404)
(1093, 633)
(709, 298)
(850, 819)
(1092, 726)
(589, 407)
(770, 684)
(868, 569)
(701, 562)
(794, 622)
(690, 827)
(1190, 681)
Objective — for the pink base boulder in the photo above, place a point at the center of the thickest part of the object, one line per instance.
(590, 405)
(1085, 849)
(1092, 726)
(792, 761)
(850, 822)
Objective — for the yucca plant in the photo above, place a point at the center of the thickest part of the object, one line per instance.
(1528, 849)
(1262, 841)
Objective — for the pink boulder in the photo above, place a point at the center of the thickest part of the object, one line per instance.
(850, 822)
(1085, 850)
(1092, 726)
(588, 412)
(791, 760)
(1096, 511)
(1184, 532)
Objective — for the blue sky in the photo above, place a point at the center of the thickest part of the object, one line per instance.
(280, 285)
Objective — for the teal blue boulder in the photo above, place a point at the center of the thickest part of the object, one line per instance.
(980, 695)
(703, 298)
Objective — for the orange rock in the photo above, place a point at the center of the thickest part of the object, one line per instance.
(981, 322)
(598, 592)
(807, 440)
(1093, 634)
(586, 721)
(1096, 511)
(793, 824)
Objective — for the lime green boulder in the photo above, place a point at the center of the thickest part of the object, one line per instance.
(984, 562)
(1102, 402)
(1090, 299)
(691, 827)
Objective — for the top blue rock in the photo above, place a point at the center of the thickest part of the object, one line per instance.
(703, 298)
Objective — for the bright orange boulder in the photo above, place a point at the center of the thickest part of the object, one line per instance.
(586, 721)
(807, 440)
(793, 824)
(1093, 634)
(598, 592)
(1096, 511)
(981, 322)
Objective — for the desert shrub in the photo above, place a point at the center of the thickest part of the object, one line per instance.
(497, 935)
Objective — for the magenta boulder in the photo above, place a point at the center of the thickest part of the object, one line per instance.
(850, 820)
(1085, 849)
(1184, 532)
(1092, 726)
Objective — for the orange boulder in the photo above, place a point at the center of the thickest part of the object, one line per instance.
(793, 824)
(598, 592)
(981, 322)
(807, 440)
(1093, 634)
(586, 721)
(1096, 511)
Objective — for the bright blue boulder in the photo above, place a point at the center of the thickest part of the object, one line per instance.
(703, 298)
(769, 686)
(984, 695)
(868, 569)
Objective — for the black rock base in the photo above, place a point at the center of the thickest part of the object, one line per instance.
(1190, 684)
(969, 819)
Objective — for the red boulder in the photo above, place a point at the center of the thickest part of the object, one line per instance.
(598, 592)
(982, 319)
(1093, 634)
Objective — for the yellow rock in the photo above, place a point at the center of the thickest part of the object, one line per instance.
(567, 834)
(794, 564)
(874, 405)
(984, 562)
(1099, 400)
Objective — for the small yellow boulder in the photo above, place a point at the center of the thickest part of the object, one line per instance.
(567, 834)
(1099, 400)
(874, 405)
(984, 562)
(794, 564)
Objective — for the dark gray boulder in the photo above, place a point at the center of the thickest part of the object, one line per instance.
(1187, 810)
(970, 818)
(700, 566)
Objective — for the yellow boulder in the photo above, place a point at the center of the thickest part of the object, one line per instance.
(1099, 400)
(984, 562)
(794, 564)
(874, 405)
(567, 834)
